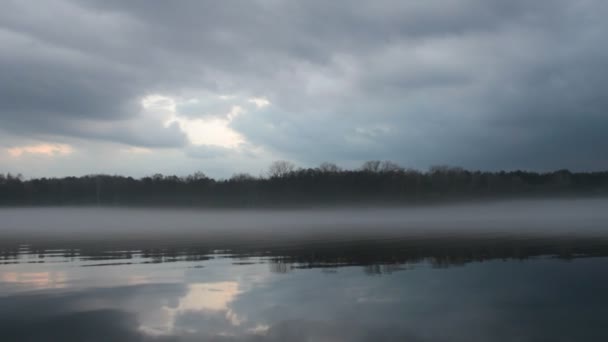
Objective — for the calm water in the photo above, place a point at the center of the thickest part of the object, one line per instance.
(513, 271)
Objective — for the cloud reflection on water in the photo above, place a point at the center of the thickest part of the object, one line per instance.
(496, 300)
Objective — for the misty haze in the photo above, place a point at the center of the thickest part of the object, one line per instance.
(542, 216)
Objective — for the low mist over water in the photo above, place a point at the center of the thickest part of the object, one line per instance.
(450, 234)
(579, 216)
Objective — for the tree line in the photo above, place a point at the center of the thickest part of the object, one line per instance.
(284, 184)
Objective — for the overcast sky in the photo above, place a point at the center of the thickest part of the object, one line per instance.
(140, 87)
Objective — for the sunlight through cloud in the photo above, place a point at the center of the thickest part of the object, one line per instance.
(260, 102)
(49, 150)
(212, 130)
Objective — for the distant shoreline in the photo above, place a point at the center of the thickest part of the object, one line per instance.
(375, 184)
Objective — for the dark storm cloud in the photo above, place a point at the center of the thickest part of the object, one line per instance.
(487, 84)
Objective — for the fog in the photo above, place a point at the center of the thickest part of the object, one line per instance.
(574, 216)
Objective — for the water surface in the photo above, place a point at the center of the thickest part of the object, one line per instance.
(510, 271)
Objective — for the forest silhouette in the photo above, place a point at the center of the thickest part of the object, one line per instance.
(380, 182)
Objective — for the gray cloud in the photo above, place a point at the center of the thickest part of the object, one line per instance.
(483, 84)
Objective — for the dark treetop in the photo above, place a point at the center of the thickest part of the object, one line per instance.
(284, 185)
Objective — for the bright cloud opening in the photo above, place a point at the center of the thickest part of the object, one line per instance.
(49, 150)
(136, 150)
(212, 130)
(260, 102)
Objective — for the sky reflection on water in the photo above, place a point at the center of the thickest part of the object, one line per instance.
(225, 299)
(441, 286)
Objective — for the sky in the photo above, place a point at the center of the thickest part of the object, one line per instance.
(174, 87)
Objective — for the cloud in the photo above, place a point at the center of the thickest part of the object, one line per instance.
(209, 151)
(483, 84)
(49, 150)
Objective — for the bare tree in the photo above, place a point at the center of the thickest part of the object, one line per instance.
(280, 168)
(389, 166)
(371, 166)
(197, 176)
(381, 166)
(329, 167)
